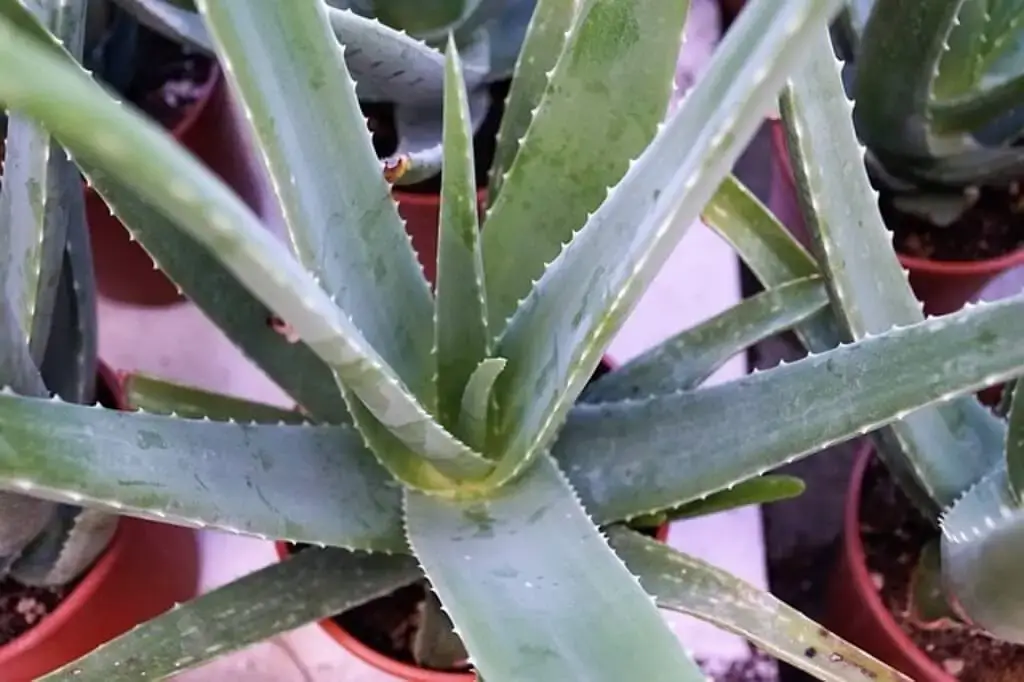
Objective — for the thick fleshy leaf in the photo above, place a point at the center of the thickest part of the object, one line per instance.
(639, 457)
(148, 393)
(477, 401)
(460, 318)
(762, 490)
(688, 358)
(943, 450)
(556, 338)
(170, 180)
(607, 94)
(508, 571)
(69, 544)
(1015, 445)
(687, 585)
(545, 39)
(307, 587)
(169, 20)
(305, 483)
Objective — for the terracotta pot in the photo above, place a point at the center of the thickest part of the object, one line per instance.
(124, 271)
(421, 213)
(943, 286)
(147, 568)
(855, 610)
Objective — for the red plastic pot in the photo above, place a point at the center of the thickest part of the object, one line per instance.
(855, 610)
(124, 271)
(943, 286)
(146, 569)
(421, 213)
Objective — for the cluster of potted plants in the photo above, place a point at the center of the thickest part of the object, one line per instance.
(457, 451)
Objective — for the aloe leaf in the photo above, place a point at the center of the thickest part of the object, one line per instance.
(589, 290)
(302, 483)
(148, 393)
(1015, 446)
(688, 358)
(460, 320)
(69, 545)
(173, 22)
(687, 585)
(507, 571)
(942, 450)
(927, 604)
(311, 585)
(769, 250)
(900, 51)
(477, 400)
(762, 490)
(424, 17)
(637, 457)
(544, 41)
(584, 134)
(40, 199)
(178, 187)
(435, 644)
(343, 225)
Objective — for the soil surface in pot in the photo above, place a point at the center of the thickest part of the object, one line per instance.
(992, 227)
(893, 533)
(169, 79)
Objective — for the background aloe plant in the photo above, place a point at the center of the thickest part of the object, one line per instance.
(448, 437)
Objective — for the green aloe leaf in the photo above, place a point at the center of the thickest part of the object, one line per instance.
(943, 450)
(588, 292)
(424, 18)
(171, 21)
(460, 319)
(637, 457)
(1015, 446)
(687, 585)
(688, 358)
(769, 250)
(309, 586)
(545, 39)
(507, 571)
(302, 483)
(607, 94)
(477, 401)
(173, 183)
(762, 490)
(148, 393)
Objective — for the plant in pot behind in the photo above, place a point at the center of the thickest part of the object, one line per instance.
(939, 106)
(941, 524)
(61, 564)
(450, 438)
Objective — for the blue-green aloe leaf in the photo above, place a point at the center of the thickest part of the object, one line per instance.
(460, 319)
(556, 338)
(148, 393)
(761, 490)
(169, 20)
(179, 188)
(544, 41)
(688, 358)
(643, 456)
(687, 585)
(303, 483)
(943, 450)
(507, 571)
(478, 400)
(310, 585)
(611, 84)
(1015, 445)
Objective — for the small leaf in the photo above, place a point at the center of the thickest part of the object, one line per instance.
(72, 540)
(688, 585)
(688, 358)
(477, 400)
(435, 644)
(143, 392)
(762, 490)
(507, 571)
(1015, 445)
(173, 22)
(460, 318)
(303, 483)
(928, 606)
(309, 586)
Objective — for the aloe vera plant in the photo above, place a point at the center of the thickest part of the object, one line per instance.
(447, 436)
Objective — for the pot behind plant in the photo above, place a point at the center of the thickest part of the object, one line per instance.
(147, 568)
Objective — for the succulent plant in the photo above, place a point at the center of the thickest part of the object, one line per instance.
(449, 437)
(939, 95)
(48, 314)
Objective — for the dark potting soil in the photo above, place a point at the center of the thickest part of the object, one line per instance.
(169, 79)
(893, 533)
(992, 227)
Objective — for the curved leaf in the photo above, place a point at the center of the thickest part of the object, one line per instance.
(150, 394)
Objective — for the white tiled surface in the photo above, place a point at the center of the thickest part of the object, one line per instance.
(700, 279)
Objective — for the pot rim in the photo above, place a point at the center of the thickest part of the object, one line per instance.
(988, 266)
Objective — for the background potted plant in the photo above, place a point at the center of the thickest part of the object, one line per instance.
(70, 577)
(931, 536)
(941, 124)
(447, 432)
